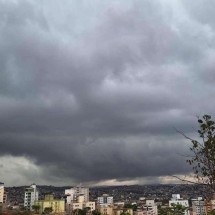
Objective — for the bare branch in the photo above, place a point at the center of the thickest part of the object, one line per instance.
(183, 134)
(192, 182)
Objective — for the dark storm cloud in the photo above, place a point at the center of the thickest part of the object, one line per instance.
(101, 100)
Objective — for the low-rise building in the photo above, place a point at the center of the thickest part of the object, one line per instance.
(177, 200)
(119, 204)
(106, 210)
(124, 210)
(81, 204)
(55, 205)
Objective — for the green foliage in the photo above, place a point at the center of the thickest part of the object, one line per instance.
(163, 211)
(96, 212)
(36, 208)
(134, 206)
(48, 210)
(125, 213)
(87, 209)
(211, 212)
(26, 213)
(175, 209)
(203, 152)
(81, 212)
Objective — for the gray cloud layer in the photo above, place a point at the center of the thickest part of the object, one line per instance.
(91, 91)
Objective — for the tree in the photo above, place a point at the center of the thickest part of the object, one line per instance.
(96, 212)
(36, 208)
(134, 206)
(203, 152)
(175, 209)
(48, 210)
(87, 209)
(80, 211)
(211, 212)
(163, 211)
(125, 213)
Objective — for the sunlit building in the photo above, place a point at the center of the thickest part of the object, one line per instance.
(73, 194)
(124, 210)
(81, 204)
(177, 200)
(1, 192)
(106, 210)
(55, 205)
(105, 200)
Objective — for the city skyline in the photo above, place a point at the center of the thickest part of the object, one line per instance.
(93, 91)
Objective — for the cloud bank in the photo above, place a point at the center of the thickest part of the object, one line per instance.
(91, 91)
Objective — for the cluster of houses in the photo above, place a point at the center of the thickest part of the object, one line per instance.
(77, 199)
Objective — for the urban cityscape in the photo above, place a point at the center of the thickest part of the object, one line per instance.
(107, 107)
(113, 200)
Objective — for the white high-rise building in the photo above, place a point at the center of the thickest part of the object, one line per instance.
(105, 200)
(1, 192)
(198, 206)
(150, 208)
(176, 199)
(31, 195)
(75, 192)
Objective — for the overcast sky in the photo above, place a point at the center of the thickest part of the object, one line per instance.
(91, 90)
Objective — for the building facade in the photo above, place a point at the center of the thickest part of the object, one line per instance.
(73, 194)
(1, 192)
(81, 204)
(198, 206)
(150, 208)
(105, 200)
(117, 211)
(56, 205)
(31, 195)
(177, 200)
(107, 210)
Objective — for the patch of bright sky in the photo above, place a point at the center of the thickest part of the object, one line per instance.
(18, 170)
(74, 19)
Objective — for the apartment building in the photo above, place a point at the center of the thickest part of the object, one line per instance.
(31, 195)
(117, 211)
(106, 210)
(177, 200)
(56, 205)
(1, 192)
(73, 194)
(198, 206)
(150, 208)
(81, 204)
(105, 200)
